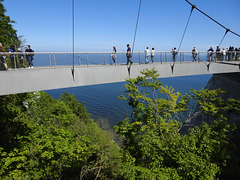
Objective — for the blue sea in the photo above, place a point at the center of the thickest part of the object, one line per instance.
(101, 100)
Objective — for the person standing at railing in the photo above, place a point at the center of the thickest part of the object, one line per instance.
(230, 53)
(13, 56)
(174, 53)
(129, 55)
(21, 58)
(29, 56)
(218, 53)
(210, 54)
(114, 54)
(223, 54)
(147, 54)
(238, 54)
(152, 55)
(194, 54)
(3, 64)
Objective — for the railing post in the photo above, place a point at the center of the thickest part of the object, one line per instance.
(180, 57)
(199, 57)
(49, 60)
(54, 59)
(166, 56)
(161, 57)
(183, 57)
(104, 59)
(87, 58)
(139, 57)
(14, 59)
(79, 62)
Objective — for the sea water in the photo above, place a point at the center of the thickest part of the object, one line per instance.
(101, 100)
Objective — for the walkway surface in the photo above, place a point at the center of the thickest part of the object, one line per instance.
(44, 78)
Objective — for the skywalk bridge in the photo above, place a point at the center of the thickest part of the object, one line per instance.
(55, 70)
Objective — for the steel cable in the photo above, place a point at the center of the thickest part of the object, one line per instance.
(227, 29)
(136, 25)
(185, 28)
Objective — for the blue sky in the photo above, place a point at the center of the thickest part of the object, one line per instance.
(101, 24)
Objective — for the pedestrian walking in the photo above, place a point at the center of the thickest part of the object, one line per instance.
(129, 55)
(174, 53)
(114, 54)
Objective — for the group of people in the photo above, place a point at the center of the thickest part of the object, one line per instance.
(129, 55)
(14, 57)
(222, 54)
(149, 54)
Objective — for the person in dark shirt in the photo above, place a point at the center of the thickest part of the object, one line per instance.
(210, 54)
(174, 53)
(129, 55)
(218, 53)
(13, 57)
(29, 56)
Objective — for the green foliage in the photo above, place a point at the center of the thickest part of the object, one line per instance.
(8, 35)
(53, 139)
(44, 138)
(154, 148)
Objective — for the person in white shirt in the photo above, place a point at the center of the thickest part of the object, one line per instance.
(224, 54)
(147, 54)
(114, 54)
(194, 54)
(152, 55)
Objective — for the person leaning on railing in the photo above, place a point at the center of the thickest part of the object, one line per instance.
(194, 54)
(237, 57)
(13, 56)
(3, 64)
(29, 56)
(21, 58)
(210, 54)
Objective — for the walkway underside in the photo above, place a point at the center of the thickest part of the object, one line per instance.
(44, 78)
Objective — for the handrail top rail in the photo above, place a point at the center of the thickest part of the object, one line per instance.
(136, 52)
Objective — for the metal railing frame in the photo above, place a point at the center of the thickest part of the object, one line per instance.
(163, 56)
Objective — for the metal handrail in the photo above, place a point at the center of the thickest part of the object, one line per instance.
(55, 59)
(136, 52)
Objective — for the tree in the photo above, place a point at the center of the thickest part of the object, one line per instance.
(154, 148)
(8, 35)
(53, 139)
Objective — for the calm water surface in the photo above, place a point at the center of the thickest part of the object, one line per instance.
(101, 100)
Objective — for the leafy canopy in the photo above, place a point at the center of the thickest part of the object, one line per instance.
(154, 148)
(8, 35)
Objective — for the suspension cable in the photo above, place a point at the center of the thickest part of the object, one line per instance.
(228, 30)
(73, 37)
(136, 25)
(224, 36)
(193, 6)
